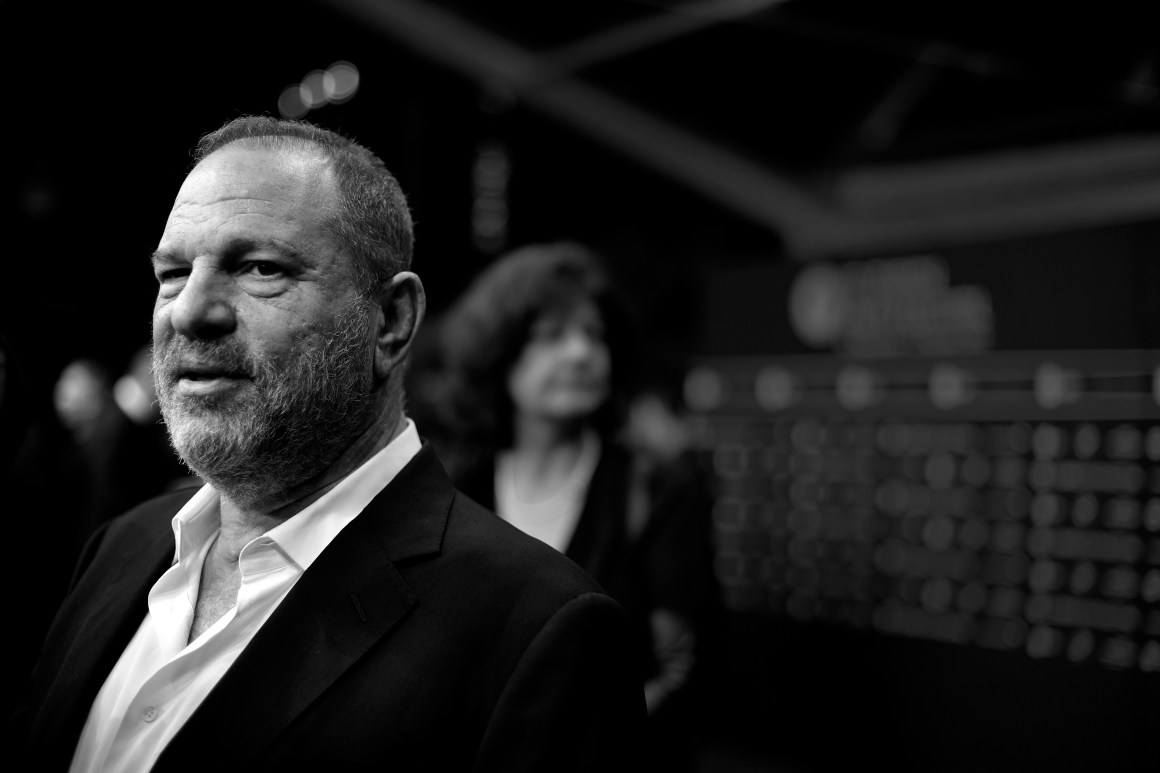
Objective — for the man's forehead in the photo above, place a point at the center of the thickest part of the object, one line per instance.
(245, 165)
(240, 182)
(243, 192)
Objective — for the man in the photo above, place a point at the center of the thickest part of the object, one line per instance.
(327, 601)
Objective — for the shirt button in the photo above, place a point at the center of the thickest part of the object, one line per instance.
(149, 714)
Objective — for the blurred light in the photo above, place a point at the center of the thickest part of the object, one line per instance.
(1044, 642)
(290, 103)
(937, 595)
(1084, 510)
(938, 533)
(1122, 513)
(1056, 386)
(133, 398)
(971, 598)
(1121, 582)
(340, 82)
(939, 470)
(775, 389)
(313, 95)
(857, 388)
(1118, 652)
(1083, 578)
(1150, 657)
(1152, 443)
(975, 470)
(1081, 646)
(1047, 441)
(704, 389)
(1152, 515)
(1046, 509)
(1013, 634)
(1044, 576)
(489, 209)
(1125, 442)
(1087, 441)
(334, 85)
(78, 395)
(951, 386)
(819, 305)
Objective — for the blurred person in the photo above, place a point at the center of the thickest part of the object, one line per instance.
(327, 601)
(540, 359)
(44, 477)
(149, 465)
(83, 399)
(115, 425)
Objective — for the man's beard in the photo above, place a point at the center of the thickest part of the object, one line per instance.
(290, 422)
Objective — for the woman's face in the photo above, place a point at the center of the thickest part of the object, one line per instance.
(563, 372)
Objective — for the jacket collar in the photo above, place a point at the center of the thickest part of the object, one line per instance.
(349, 599)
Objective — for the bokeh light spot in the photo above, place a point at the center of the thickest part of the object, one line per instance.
(340, 82)
(290, 103)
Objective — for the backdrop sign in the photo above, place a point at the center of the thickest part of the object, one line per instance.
(890, 307)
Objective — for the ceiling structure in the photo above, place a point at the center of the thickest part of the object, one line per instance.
(679, 135)
(841, 126)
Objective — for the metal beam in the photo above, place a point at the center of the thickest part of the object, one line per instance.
(880, 210)
(731, 180)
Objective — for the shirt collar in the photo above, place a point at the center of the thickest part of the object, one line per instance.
(305, 535)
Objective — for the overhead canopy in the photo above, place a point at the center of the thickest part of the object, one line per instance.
(842, 126)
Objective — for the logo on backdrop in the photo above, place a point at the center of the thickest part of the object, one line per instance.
(890, 307)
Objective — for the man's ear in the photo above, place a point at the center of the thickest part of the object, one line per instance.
(402, 305)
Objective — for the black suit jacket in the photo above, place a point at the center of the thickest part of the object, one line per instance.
(429, 635)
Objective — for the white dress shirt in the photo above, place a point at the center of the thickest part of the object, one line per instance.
(161, 676)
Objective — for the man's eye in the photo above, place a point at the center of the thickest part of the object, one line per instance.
(171, 274)
(263, 268)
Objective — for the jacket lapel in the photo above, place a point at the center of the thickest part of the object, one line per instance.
(351, 597)
(93, 642)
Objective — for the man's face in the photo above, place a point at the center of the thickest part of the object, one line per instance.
(261, 345)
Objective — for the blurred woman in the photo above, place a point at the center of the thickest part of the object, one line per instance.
(539, 360)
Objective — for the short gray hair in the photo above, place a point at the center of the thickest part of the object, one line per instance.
(372, 219)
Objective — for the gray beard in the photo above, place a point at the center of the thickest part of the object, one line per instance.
(289, 424)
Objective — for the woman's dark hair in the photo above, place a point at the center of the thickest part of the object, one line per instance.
(483, 334)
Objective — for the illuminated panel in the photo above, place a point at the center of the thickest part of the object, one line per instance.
(887, 464)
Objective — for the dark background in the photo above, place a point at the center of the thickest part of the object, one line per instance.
(692, 147)
(103, 102)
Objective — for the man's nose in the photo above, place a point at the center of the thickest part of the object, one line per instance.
(204, 308)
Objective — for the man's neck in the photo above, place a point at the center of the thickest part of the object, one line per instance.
(240, 525)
